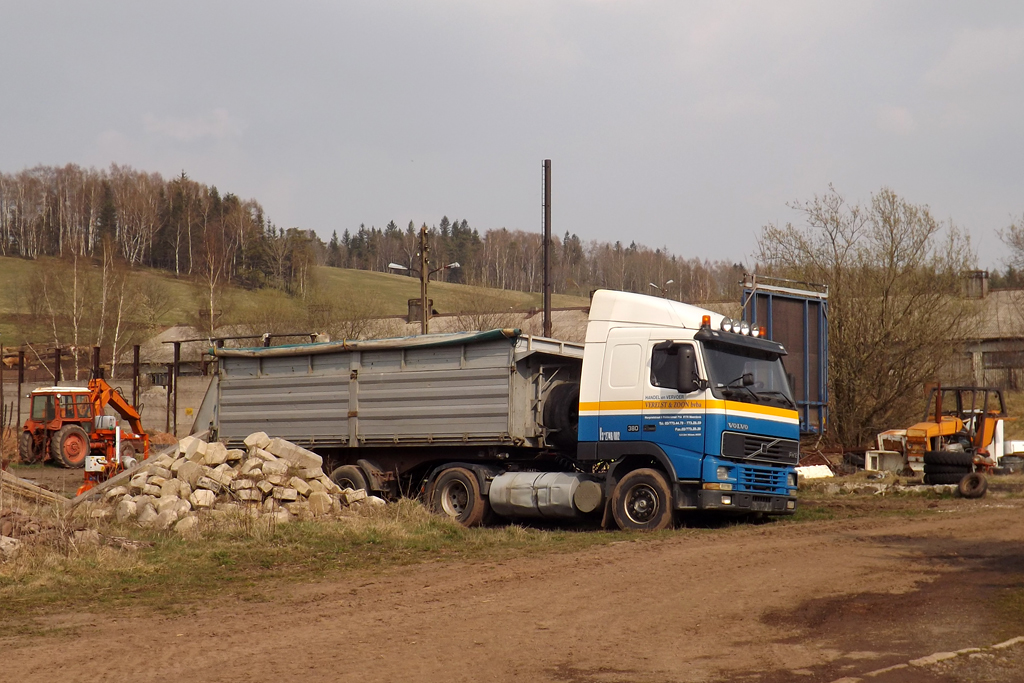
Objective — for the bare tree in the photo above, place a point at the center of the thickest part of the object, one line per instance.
(896, 312)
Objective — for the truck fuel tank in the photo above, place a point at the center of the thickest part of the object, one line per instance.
(545, 495)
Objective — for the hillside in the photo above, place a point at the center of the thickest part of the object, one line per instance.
(357, 293)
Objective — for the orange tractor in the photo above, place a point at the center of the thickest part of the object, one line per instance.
(69, 425)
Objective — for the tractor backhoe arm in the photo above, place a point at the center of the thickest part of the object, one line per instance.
(104, 395)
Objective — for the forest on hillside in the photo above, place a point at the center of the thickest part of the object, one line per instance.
(191, 230)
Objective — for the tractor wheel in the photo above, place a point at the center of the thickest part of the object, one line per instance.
(949, 458)
(947, 469)
(973, 485)
(642, 501)
(27, 449)
(456, 493)
(69, 446)
(350, 477)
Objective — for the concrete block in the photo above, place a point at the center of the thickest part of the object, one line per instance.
(166, 503)
(171, 487)
(257, 440)
(348, 496)
(216, 454)
(186, 524)
(203, 498)
(249, 495)
(146, 515)
(190, 472)
(283, 493)
(319, 503)
(374, 501)
(239, 484)
(184, 490)
(137, 483)
(271, 505)
(311, 473)
(262, 454)
(125, 510)
(278, 479)
(115, 492)
(281, 516)
(176, 465)
(156, 481)
(235, 454)
(165, 519)
(184, 507)
(265, 486)
(151, 490)
(161, 472)
(300, 485)
(224, 474)
(250, 465)
(275, 467)
(329, 485)
(299, 508)
(296, 455)
(210, 484)
(315, 486)
(188, 446)
(142, 500)
(164, 460)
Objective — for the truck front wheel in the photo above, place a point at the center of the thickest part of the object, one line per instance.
(456, 493)
(642, 501)
(69, 446)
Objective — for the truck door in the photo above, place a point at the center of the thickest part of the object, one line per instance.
(673, 419)
(622, 389)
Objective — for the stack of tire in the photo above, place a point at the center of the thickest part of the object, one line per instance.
(954, 467)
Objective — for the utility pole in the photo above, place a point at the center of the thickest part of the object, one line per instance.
(424, 275)
(547, 247)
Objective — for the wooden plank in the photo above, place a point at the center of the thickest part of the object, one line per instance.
(29, 490)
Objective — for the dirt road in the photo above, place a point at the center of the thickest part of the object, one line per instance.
(777, 602)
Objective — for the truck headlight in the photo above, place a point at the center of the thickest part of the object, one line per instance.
(744, 328)
(727, 324)
(723, 472)
(791, 479)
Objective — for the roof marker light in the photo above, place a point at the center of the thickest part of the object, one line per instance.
(727, 324)
(705, 321)
(744, 328)
(755, 332)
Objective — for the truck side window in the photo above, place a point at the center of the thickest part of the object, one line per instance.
(665, 367)
(67, 406)
(42, 408)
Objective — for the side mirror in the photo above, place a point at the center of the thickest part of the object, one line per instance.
(748, 379)
(688, 380)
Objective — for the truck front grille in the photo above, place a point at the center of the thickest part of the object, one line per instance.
(761, 479)
(754, 448)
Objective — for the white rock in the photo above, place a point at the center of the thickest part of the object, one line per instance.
(235, 454)
(262, 454)
(216, 454)
(190, 472)
(265, 486)
(166, 503)
(151, 490)
(186, 524)
(257, 440)
(125, 510)
(348, 496)
(294, 454)
(176, 465)
(171, 487)
(315, 486)
(374, 501)
(250, 495)
(203, 498)
(283, 493)
(156, 481)
(147, 515)
(115, 492)
(281, 516)
(188, 446)
(184, 490)
(279, 467)
(208, 483)
(311, 473)
(162, 472)
(250, 465)
(239, 484)
(9, 547)
(319, 503)
(300, 486)
(165, 519)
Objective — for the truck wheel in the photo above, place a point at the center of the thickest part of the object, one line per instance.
(947, 469)
(642, 501)
(456, 493)
(69, 446)
(936, 479)
(27, 449)
(562, 414)
(953, 458)
(350, 477)
(973, 485)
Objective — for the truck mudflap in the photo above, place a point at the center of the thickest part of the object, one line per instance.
(738, 501)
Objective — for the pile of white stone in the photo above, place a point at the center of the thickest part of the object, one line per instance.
(273, 479)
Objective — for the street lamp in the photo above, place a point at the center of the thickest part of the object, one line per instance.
(425, 273)
(663, 288)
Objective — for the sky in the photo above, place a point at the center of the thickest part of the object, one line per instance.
(678, 124)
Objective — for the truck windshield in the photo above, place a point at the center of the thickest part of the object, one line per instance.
(727, 366)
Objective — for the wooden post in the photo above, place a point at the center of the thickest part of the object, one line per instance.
(177, 364)
(424, 276)
(135, 377)
(170, 380)
(21, 379)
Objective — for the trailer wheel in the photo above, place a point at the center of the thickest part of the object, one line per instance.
(950, 458)
(973, 485)
(27, 448)
(69, 446)
(642, 501)
(350, 477)
(456, 493)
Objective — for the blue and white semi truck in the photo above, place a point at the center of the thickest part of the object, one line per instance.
(665, 408)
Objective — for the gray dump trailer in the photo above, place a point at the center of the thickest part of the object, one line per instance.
(477, 416)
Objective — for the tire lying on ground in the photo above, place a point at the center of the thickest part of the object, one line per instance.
(948, 458)
(973, 485)
(562, 414)
(946, 478)
(947, 469)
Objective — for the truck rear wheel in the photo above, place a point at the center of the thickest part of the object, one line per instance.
(642, 501)
(350, 477)
(27, 449)
(456, 493)
(69, 446)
